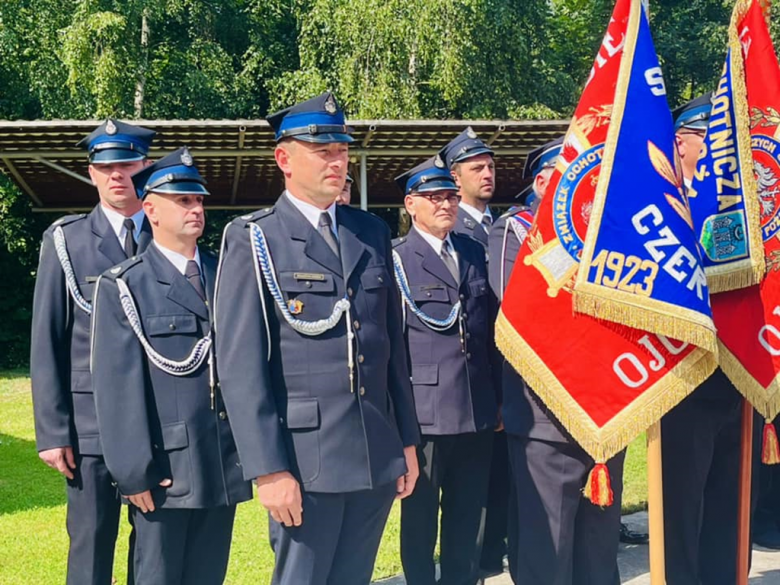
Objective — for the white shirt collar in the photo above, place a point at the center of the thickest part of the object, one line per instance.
(116, 220)
(312, 213)
(476, 213)
(178, 260)
(436, 243)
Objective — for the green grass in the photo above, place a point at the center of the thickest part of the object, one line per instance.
(33, 541)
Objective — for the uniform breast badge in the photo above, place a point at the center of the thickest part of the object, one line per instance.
(295, 306)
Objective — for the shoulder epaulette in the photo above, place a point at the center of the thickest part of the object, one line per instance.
(123, 267)
(515, 210)
(68, 219)
(398, 241)
(254, 216)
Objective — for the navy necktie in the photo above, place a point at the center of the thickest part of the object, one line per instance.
(324, 227)
(130, 246)
(192, 272)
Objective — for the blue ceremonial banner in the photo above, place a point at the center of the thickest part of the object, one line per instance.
(640, 264)
(724, 204)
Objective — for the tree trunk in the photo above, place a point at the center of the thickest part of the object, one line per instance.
(138, 102)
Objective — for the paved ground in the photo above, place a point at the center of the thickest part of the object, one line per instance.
(633, 562)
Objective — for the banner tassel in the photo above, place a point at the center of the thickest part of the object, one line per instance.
(770, 451)
(598, 488)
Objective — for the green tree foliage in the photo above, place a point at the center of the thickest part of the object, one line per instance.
(179, 59)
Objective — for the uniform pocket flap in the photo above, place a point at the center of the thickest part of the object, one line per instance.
(374, 277)
(300, 282)
(303, 414)
(478, 287)
(425, 373)
(170, 324)
(175, 436)
(431, 292)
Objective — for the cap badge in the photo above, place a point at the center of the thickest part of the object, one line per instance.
(330, 105)
(295, 306)
(438, 162)
(110, 127)
(186, 159)
(470, 133)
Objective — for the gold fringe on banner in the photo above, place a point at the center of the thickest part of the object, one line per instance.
(605, 442)
(654, 316)
(765, 400)
(750, 271)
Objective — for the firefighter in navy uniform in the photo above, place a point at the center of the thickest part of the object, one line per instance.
(312, 362)
(166, 436)
(75, 250)
(471, 163)
(449, 317)
(556, 536)
(701, 439)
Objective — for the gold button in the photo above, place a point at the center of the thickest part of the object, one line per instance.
(428, 293)
(362, 391)
(222, 415)
(308, 284)
(172, 327)
(356, 324)
(361, 359)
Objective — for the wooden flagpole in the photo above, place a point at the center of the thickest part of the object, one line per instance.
(745, 480)
(655, 505)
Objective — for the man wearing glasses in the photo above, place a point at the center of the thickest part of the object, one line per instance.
(448, 328)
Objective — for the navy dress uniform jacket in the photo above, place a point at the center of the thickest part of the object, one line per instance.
(155, 425)
(467, 226)
(454, 387)
(291, 405)
(59, 358)
(523, 413)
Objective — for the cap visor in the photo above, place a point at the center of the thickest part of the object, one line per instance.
(324, 138)
(115, 155)
(181, 188)
(697, 125)
(525, 192)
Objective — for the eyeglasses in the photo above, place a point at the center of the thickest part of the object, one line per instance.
(439, 198)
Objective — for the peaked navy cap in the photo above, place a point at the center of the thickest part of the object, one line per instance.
(464, 146)
(319, 119)
(695, 114)
(538, 159)
(115, 141)
(429, 176)
(174, 174)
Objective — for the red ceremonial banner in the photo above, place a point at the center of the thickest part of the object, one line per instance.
(606, 383)
(748, 320)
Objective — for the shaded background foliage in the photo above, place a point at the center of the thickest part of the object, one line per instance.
(243, 58)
